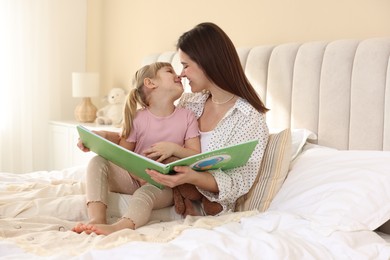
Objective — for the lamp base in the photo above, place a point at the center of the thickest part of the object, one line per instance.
(85, 112)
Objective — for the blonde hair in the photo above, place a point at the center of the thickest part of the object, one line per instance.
(139, 95)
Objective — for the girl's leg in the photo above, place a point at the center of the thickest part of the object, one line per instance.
(103, 176)
(97, 212)
(144, 200)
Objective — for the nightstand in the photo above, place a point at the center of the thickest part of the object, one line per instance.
(64, 152)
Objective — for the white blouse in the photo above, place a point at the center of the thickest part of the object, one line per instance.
(241, 123)
(205, 139)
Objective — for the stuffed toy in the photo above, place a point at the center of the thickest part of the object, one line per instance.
(185, 194)
(112, 114)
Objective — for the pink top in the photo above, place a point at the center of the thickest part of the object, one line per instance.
(149, 129)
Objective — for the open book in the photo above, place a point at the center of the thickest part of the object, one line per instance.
(224, 158)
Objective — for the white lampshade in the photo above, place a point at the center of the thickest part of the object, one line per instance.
(85, 84)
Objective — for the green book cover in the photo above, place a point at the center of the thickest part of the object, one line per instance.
(224, 158)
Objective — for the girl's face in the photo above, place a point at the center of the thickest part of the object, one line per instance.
(196, 77)
(169, 82)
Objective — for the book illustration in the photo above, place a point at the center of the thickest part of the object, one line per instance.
(210, 162)
(224, 158)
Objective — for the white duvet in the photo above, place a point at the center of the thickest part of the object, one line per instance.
(38, 210)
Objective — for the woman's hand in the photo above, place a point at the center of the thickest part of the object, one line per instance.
(185, 174)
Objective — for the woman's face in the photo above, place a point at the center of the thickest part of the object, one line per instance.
(196, 77)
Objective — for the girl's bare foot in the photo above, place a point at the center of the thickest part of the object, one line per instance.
(78, 228)
(104, 229)
(81, 227)
(96, 215)
(99, 229)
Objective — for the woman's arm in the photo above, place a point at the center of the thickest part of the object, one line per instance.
(227, 186)
(185, 174)
(234, 183)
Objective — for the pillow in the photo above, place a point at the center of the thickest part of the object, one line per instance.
(338, 190)
(298, 140)
(272, 173)
(299, 137)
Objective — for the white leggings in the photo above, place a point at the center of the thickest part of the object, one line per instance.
(147, 203)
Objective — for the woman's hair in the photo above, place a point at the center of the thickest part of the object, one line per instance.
(139, 95)
(211, 48)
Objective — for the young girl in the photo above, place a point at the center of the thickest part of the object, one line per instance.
(158, 130)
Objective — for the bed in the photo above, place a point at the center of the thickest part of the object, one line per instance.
(323, 191)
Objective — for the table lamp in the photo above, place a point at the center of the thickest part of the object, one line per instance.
(85, 85)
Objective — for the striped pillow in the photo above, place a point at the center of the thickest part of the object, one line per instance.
(273, 171)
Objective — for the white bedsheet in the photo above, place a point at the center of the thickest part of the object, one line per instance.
(38, 209)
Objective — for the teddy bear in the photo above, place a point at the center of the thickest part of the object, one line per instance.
(112, 114)
(185, 194)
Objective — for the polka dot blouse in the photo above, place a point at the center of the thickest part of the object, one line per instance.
(241, 123)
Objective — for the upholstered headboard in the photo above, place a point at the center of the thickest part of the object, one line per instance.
(339, 90)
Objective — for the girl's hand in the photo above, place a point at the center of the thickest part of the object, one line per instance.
(160, 151)
(81, 146)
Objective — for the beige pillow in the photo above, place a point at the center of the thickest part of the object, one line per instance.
(273, 171)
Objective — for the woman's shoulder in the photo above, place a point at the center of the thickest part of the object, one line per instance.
(193, 98)
(194, 102)
(184, 111)
(246, 108)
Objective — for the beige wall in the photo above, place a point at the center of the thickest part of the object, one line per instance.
(121, 32)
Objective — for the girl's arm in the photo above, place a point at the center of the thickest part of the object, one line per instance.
(164, 150)
(128, 145)
(115, 138)
(111, 136)
(191, 147)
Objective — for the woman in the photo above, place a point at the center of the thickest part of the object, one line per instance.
(228, 109)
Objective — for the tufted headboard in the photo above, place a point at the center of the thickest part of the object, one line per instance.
(339, 90)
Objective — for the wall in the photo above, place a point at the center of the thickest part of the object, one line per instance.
(121, 32)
